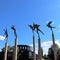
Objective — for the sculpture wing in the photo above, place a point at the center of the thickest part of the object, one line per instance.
(6, 33)
(40, 31)
(30, 26)
(49, 22)
(36, 26)
(13, 27)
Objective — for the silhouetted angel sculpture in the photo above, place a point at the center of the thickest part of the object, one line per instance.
(6, 33)
(13, 27)
(32, 27)
(36, 26)
(49, 25)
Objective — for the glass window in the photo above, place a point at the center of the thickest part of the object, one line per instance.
(30, 54)
(23, 47)
(20, 47)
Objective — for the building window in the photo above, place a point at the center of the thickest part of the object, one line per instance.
(30, 54)
(23, 47)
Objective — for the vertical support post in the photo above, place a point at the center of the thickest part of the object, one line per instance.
(34, 54)
(15, 50)
(55, 52)
(6, 44)
(53, 39)
(36, 26)
(5, 51)
(15, 46)
(39, 48)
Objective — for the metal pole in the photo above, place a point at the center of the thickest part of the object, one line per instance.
(55, 52)
(6, 44)
(15, 50)
(5, 51)
(39, 48)
(53, 40)
(15, 46)
(34, 54)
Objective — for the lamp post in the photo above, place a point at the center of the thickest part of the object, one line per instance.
(36, 26)
(6, 44)
(15, 46)
(53, 40)
(34, 54)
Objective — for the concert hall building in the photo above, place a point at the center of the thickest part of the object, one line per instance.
(25, 52)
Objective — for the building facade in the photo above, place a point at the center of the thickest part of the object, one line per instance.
(25, 52)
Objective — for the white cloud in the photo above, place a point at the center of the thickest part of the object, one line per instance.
(59, 26)
(36, 51)
(46, 43)
(45, 46)
(58, 43)
(58, 29)
(31, 45)
(2, 37)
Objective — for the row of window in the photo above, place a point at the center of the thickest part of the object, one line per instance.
(25, 47)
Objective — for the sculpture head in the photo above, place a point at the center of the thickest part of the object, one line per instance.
(32, 27)
(49, 25)
(6, 33)
(36, 27)
(13, 27)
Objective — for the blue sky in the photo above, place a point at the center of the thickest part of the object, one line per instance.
(23, 12)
